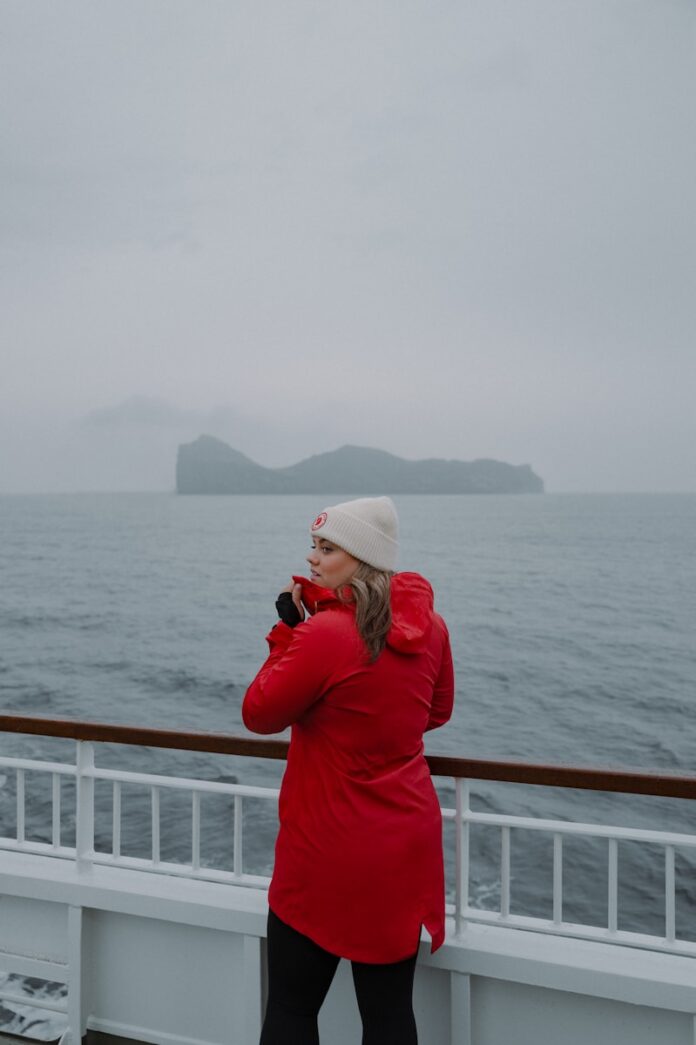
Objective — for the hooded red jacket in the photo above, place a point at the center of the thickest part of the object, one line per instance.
(358, 865)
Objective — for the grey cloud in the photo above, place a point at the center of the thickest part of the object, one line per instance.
(480, 215)
(143, 410)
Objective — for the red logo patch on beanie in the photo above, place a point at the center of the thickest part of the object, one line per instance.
(319, 521)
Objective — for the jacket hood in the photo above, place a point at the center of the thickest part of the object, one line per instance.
(412, 613)
(411, 606)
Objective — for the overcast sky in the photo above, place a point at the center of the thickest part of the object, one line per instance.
(456, 228)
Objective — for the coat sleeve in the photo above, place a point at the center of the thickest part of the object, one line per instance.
(292, 679)
(443, 692)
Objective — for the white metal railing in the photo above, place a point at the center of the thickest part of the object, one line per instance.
(84, 773)
(464, 817)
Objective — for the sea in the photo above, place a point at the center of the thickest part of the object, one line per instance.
(573, 625)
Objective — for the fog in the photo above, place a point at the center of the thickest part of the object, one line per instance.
(444, 229)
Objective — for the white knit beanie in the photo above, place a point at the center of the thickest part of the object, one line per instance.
(367, 528)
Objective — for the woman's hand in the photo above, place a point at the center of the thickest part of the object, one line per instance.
(290, 610)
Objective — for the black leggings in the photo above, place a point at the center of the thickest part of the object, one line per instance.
(299, 976)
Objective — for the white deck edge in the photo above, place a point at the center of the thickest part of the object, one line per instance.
(602, 970)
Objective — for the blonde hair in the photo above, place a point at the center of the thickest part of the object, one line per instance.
(370, 592)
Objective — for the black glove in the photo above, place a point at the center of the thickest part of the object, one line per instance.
(287, 610)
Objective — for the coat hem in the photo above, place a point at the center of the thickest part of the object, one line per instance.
(352, 955)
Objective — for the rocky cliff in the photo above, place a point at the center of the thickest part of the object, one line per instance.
(210, 466)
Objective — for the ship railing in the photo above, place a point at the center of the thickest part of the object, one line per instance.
(464, 771)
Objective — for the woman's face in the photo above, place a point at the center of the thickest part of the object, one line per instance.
(330, 565)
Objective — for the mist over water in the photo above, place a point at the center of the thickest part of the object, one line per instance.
(572, 624)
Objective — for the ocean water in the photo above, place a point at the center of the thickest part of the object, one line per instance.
(572, 620)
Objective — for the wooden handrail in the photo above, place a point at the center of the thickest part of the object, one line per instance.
(110, 733)
(628, 781)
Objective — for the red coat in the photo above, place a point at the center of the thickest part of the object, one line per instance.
(358, 865)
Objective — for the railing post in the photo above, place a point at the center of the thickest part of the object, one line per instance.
(460, 1008)
(670, 920)
(84, 823)
(505, 873)
(21, 807)
(55, 810)
(557, 879)
(237, 851)
(116, 821)
(76, 968)
(461, 901)
(195, 831)
(253, 980)
(613, 886)
(155, 800)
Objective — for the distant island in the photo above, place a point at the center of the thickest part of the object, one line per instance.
(210, 466)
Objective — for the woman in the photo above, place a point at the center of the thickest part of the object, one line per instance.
(358, 866)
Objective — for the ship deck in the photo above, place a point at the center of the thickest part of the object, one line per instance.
(175, 954)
